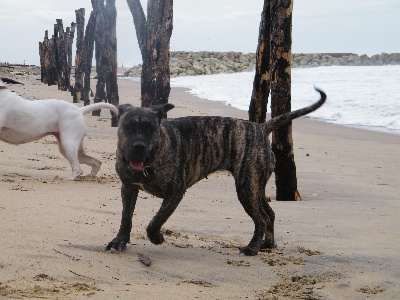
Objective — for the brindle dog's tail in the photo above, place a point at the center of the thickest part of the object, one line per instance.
(287, 117)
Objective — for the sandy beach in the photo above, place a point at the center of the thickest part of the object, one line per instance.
(341, 241)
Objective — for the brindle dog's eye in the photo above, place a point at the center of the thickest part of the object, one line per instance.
(149, 130)
(130, 128)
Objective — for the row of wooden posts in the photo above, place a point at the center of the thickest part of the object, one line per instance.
(154, 32)
(99, 37)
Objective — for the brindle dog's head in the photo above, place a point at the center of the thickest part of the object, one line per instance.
(139, 132)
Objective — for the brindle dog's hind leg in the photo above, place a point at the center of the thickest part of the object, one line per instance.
(269, 241)
(252, 204)
(129, 195)
(168, 206)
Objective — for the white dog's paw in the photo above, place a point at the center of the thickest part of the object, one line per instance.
(75, 175)
(95, 168)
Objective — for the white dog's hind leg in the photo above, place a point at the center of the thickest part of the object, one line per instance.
(75, 173)
(88, 160)
(76, 168)
(69, 149)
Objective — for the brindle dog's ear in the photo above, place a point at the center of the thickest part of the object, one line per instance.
(162, 109)
(123, 108)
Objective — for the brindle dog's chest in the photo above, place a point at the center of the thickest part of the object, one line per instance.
(146, 180)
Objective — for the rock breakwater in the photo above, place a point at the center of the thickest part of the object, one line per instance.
(205, 62)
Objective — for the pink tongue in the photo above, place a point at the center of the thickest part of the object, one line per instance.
(136, 165)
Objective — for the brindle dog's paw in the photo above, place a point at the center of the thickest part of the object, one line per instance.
(268, 244)
(249, 251)
(117, 244)
(156, 238)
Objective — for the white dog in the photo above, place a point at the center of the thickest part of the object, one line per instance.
(23, 121)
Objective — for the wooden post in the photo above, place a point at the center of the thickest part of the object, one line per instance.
(282, 142)
(69, 42)
(79, 56)
(58, 37)
(69, 39)
(41, 56)
(262, 79)
(100, 28)
(89, 48)
(51, 60)
(161, 18)
(61, 56)
(43, 53)
(110, 51)
(154, 36)
(47, 60)
(106, 56)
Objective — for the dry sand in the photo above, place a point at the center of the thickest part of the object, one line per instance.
(341, 241)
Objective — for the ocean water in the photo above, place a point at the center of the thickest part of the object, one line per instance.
(363, 97)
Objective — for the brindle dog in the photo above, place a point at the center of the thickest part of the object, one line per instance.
(164, 157)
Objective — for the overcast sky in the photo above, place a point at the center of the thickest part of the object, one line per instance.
(358, 26)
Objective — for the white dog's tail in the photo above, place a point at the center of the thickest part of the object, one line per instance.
(88, 108)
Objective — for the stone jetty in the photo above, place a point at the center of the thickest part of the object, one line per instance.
(184, 63)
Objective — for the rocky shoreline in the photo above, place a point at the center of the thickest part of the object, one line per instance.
(205, 63)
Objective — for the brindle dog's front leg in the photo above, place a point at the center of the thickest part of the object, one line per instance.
(129, 195)
(168, 206)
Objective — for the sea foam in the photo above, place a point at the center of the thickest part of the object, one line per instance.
(365, 97)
